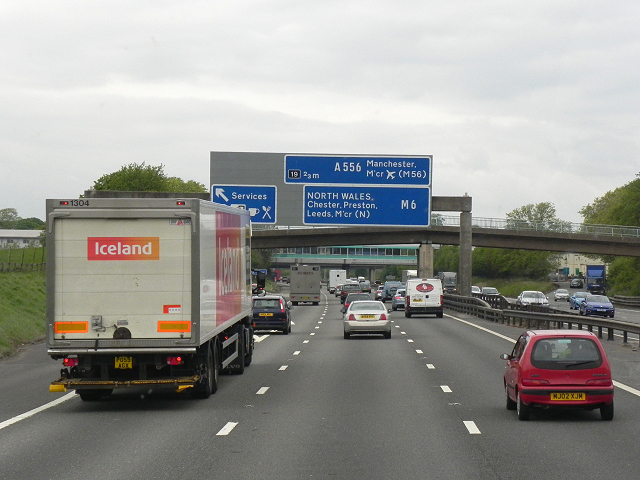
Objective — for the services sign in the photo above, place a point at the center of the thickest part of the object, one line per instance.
(259, 200)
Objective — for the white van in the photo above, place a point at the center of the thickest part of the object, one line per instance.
(424, 295)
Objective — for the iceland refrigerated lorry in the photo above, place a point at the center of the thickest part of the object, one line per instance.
(152, 293)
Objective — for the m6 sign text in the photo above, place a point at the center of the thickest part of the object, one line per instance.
(366, 205)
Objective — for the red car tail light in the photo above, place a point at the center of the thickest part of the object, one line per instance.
(599, 381)
(352, 317)
(383, 317)
(532, 382)
(407, 300)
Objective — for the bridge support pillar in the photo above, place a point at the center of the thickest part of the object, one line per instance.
(465, 254)
(425, 260)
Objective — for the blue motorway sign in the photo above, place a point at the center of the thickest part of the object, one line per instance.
(366, 205)
(260, 200)
(363, 170)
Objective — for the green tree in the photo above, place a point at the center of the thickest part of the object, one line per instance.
(510, 263)
(8, 218)
(446, 259)
(619, 207)
(261, 258)
(31, 223)
(538, 216)
(145, 178)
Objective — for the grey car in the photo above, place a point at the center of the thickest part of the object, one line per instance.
(397, 301)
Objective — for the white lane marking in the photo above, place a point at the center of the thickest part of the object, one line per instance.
(259, 338)
(430, 366)
(283, 367)
(317, 328)
(30, 413)
(403, 333)
(262, 390)
(419, 352)
(226, 430)
(409, 340)
(445, 389)
(471, 426)
(297, 352)
(483, 329)
(627, 388)
(617, 384)
(306, 341)
(312, 333)
(320, 321)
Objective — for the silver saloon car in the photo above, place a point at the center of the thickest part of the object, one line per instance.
(366, 316)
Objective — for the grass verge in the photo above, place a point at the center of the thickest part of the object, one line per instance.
(22, 309)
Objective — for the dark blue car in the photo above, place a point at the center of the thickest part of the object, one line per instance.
(597, 305)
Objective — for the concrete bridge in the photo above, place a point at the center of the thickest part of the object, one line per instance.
(584, 243)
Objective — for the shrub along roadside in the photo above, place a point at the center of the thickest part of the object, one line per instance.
(22, 309)
(512, 288)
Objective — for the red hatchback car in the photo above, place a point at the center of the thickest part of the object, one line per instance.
(558, 368)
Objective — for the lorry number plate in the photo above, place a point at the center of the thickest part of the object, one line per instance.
(124, 362)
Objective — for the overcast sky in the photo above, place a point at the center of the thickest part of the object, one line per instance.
(518, 102)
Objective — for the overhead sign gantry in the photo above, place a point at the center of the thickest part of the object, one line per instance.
(362, 190)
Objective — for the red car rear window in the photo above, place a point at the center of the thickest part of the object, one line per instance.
(566, 354)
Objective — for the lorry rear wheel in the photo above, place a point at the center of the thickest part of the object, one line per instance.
(209, 382)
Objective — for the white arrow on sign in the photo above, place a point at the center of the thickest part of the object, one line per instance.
(220, 193)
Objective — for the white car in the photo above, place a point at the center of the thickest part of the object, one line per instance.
(367, 316)
(561, 294)
(379, 292)
(532, 297)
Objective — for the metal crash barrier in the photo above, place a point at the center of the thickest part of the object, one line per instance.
(500, 310)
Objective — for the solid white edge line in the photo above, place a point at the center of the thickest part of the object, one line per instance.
(226, 430)
(617, 384)
(30, 413)
(627, 388)
(471, 426)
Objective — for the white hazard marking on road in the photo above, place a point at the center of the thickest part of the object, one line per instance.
(226, 430)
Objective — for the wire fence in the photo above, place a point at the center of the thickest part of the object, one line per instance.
(28, 259)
